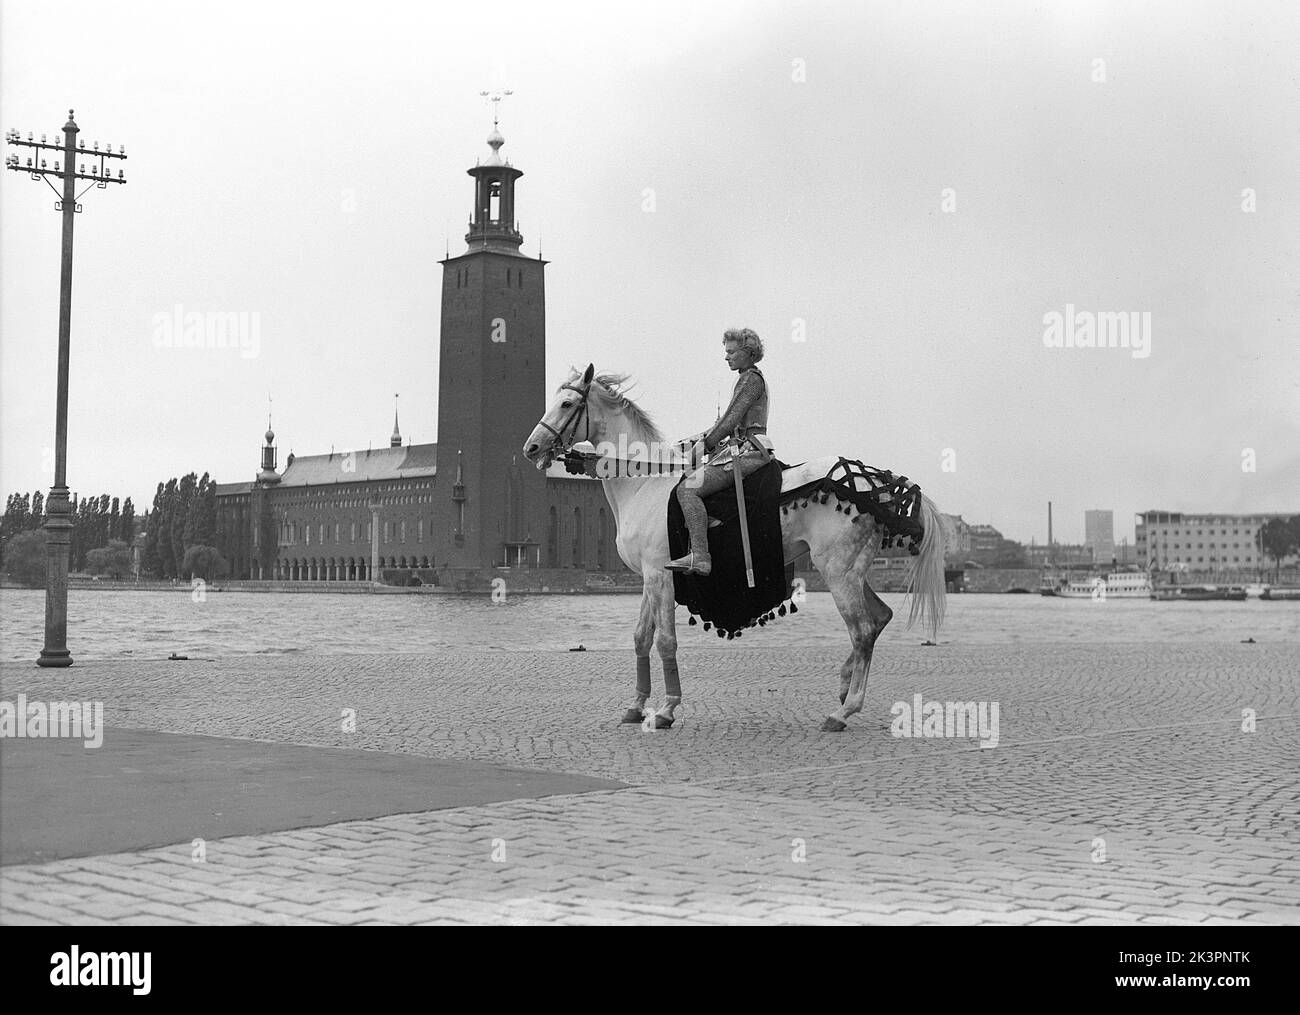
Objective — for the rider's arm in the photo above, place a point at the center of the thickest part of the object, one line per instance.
(748, 390)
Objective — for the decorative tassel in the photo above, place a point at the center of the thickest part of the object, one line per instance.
(721, 633)
(762, 622)
(692, 620)
(781, 611)
(739, 633)
(793, 608)
(707, 625)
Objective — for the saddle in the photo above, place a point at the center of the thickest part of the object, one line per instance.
(723, 598)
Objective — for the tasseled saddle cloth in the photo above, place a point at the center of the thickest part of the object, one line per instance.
(893, 501)
(724, 599)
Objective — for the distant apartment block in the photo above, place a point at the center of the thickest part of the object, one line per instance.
(1099, 534)
(1199, 542)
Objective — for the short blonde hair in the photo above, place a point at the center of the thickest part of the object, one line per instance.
(747, 339)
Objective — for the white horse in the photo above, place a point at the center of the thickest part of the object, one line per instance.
(592, 408)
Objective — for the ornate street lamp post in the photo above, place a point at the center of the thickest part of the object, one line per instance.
(58, 511)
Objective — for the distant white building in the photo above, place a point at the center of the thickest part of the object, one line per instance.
(1199, 542)
(1099, 534)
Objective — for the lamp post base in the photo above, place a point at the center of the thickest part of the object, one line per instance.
(54, 657)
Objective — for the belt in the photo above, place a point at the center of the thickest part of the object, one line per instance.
(749, 445)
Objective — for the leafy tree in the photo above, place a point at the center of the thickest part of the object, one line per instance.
(37, 518)
(1010, 554)
(151, 562)
(126, 523)
(113, 559)
(1279, 538)
(17, 512)
(205, 562)
(170, 560)
(25, 558)
(204, 511)
(180, 519)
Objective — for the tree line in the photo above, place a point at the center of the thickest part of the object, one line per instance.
(103, 528)
(180, 539)
(180, 534)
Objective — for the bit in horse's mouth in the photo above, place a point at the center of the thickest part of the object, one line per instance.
(544, 460)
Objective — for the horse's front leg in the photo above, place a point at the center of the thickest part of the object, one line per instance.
(665, 639)
(642, 639)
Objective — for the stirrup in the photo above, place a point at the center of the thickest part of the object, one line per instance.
(692, 563)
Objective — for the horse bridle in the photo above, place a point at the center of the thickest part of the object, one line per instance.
(579, 412)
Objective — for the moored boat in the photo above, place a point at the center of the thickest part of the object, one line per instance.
(1198, 593)
(1116, 585)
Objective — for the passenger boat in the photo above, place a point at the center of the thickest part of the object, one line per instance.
(1116, 585)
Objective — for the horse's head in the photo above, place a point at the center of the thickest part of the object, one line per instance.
(566, 422)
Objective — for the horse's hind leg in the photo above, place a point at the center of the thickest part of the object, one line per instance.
(865, 614)
(643, 637)
(846, 675)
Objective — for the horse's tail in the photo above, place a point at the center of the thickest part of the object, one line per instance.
(925, 580)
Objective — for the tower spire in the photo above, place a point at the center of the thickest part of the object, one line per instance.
(396, 440)
(493, 224)
(268, 474)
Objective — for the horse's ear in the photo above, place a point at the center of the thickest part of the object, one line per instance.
(591, 372)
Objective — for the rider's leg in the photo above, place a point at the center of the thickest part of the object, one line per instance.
(690, 493)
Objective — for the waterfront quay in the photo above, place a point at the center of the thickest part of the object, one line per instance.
(1147, 783)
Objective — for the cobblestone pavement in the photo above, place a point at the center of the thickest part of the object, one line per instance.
(1123, 789)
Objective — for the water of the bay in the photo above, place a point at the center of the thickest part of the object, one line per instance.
(152, 625)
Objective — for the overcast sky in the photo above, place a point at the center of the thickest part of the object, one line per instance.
(688, 167)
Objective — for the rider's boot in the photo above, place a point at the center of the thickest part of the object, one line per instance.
(692, 563)
(697, 559)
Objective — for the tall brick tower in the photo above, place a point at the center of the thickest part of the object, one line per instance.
(489, 503)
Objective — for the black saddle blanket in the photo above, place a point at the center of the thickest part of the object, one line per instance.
(723, 597)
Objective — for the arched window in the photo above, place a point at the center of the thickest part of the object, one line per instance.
(577, 537)
(553, 539)
(602, 540)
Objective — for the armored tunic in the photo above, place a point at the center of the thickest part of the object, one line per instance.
(748, 409)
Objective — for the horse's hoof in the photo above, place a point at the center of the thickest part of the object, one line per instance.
(833, 725)
(632, 716)
(663, 723)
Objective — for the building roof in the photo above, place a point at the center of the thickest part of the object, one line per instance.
(415, 461)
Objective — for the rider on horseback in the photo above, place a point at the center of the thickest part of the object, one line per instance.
(746, 415)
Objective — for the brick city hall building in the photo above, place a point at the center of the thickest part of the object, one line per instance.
(470, 501)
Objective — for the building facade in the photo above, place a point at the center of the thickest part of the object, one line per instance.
(469, 502)
(1099, 534)
(1061, 555)
(957, 545)
(1176, 540)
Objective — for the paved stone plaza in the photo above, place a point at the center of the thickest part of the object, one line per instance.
(1123, 789)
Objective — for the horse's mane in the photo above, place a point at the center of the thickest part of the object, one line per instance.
(607, 390)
